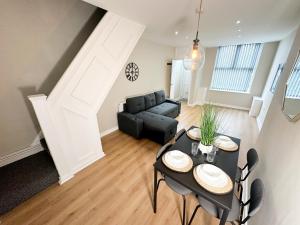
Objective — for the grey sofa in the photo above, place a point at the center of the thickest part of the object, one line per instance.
(151, 116)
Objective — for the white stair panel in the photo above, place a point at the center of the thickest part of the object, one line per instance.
(69, 123)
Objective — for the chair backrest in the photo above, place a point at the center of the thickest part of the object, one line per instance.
(179, 133)
(162, 150)
(256, 197)
(252, 159)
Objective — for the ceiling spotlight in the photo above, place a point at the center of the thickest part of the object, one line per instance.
(238, 22)
(239, 36)
(176, 32)
(239, 30)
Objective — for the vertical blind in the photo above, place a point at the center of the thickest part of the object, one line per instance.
(234, 67)
(276, 78)
(293, 89)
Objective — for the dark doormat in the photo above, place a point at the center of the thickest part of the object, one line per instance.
(22, 179)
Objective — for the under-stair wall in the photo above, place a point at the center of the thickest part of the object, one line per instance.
(68, 116)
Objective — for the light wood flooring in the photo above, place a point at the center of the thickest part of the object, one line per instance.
(117, 190)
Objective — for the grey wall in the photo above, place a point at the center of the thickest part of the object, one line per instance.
(278, 148)
(38, 40)
(242, 100)
(154, 75)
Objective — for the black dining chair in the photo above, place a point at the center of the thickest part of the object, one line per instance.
(172, 184)
(236, 213)
(252, 161)
(179, 134)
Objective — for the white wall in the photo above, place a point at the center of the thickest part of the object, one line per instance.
(278, 148)
(154, 75)
(280, 58)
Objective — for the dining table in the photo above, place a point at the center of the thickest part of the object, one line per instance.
(225, 160)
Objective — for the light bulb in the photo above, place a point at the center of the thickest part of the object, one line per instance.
(194, 53)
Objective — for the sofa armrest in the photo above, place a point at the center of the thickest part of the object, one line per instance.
(130, 124)
(175, 102)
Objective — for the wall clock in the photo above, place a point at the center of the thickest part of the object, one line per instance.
(132, 71)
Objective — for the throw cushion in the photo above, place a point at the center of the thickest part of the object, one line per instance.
(150, 100)
(160, 96)
(135, 104)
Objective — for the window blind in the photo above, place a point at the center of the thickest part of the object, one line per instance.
(293, 89)
(276, 78)
(234, 67)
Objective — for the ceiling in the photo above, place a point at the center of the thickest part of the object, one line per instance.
(260, 20)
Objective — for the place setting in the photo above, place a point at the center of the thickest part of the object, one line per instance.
(194, 133)
(178, 161)
(212, 178)
(225, 143)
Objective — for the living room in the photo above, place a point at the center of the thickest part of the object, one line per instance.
(96, 94)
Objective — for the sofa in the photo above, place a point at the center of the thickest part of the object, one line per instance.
(151, 116)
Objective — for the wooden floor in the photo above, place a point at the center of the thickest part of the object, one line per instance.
(117, 189)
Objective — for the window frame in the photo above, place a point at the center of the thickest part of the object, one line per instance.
(295, 69)
(276, 78)
(235, 67)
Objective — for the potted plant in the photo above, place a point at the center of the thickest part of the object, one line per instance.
(208, 127)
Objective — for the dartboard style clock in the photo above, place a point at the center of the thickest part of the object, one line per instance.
(132, 71)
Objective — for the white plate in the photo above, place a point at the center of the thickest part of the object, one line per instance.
(225, 143)
(212, 175)
(223, 138)
(177, 159)
(195, 132)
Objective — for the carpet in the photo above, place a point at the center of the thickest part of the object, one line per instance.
(24, 178)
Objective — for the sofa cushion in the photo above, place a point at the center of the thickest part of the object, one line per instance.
(135, 104)
(155, 122)
(164, 108)
(160, 96)
(150, 100)
(158, 128)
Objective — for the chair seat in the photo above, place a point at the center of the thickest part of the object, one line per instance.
(217, 212)
(178, 188)
(238, 174)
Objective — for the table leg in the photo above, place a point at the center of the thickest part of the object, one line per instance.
(224, 217)
(155, 191)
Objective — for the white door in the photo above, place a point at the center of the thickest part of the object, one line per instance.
(177, 73)
(186, 81)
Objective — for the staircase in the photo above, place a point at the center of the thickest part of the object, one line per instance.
(68, 115)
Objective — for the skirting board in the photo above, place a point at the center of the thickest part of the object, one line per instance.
(4, 160)
(228, 106)
(104, 133)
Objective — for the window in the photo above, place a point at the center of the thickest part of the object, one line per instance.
(275, 81)
(293, 89)
(234, 67)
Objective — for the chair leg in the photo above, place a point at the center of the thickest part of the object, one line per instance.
(193, 215)
(183, 211)
(161, 179)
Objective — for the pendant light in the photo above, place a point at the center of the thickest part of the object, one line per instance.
(195, 57)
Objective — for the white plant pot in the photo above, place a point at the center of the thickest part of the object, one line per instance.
(205, 149)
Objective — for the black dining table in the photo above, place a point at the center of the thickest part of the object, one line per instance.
(227, 161)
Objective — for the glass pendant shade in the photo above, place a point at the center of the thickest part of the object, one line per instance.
(195, 57)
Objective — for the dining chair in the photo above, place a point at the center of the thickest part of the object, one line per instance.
(172, 184)
(252, 161)
(236, 213)
(179, 134)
